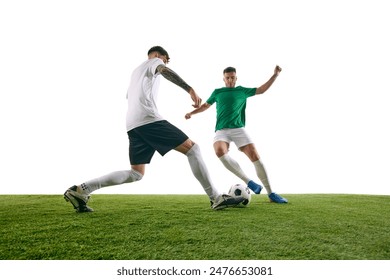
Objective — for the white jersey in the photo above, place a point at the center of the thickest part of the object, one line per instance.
(142, 95)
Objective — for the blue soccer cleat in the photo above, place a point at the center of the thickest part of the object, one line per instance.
(273, 197)
(256, 188)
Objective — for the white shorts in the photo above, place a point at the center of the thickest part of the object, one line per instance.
(238, 136)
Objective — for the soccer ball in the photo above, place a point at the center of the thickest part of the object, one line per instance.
(239, 190)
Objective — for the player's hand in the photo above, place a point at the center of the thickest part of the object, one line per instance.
(277, 70)
(197, 100)
(188, 116)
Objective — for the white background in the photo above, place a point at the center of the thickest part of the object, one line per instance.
(323, 127)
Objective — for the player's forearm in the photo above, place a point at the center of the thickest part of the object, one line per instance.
(201, 109)
(267, 85)
(170, 75)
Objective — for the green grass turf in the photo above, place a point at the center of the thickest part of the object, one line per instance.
(165, 227)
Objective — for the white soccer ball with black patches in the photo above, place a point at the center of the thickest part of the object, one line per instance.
(239, 190)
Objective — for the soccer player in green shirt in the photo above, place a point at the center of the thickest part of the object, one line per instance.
(230, 127)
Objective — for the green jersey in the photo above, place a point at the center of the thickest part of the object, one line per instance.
(231, 104)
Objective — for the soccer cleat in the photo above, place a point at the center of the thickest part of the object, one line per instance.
(78, 200)
(226, 200)
(273, 197)
(256, 188)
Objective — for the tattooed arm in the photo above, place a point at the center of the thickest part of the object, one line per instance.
(170, 75)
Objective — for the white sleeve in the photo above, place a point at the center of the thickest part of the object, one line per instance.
(156, 62)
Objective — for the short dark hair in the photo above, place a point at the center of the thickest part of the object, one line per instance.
(159, 50)
(229, 70)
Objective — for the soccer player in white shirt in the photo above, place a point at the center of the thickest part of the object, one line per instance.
(148, 132)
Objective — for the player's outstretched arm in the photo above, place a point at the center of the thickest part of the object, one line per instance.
(202, 108)
(170, 75)
(269, 83)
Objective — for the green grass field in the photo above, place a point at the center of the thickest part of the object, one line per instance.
(183, 227)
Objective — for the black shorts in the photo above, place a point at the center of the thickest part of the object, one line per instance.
(159, 136)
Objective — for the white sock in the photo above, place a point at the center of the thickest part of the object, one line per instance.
(111, 179)
(200, 171)
(234, 167)
(262, 174)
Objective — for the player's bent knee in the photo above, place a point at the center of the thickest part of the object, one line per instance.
(186, 146)
(220, 152)
(135, 175)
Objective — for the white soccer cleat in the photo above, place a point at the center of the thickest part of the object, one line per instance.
(78, 200)
(226, 200)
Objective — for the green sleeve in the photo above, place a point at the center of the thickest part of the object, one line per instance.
(211, 99)
(250, 92)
